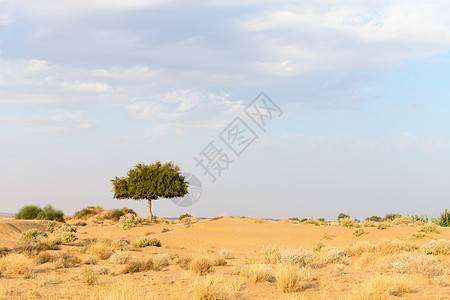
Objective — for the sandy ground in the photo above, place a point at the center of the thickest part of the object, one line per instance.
(244, 237)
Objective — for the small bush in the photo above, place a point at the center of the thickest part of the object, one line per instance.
(66, 260)
(415, 264)
(334, 255)
(359, 232)
(147, 241)
(44, 258)
(67, 228)
(367, 224)
(161, 260)
(429, 228)
(403, 221)
(226, 253)
(33, 247)
(346, 222)
(101, 249)
(33, 234)
(374, 219)
(139, 266)
(181, 217)
(299, 257)
(88, 212)
(343, 216)
(391, 217)
(256, 272)
(91, 261)
(51, 226)
(120, 290)
(121, 245)
(89, 277)
(289, 278)
(67, 237)
(219, 262)
(213, 287)
(120, 258)
(272, 255)
(114, 214)
(359, 248)
(201, 266)
(382, 287)
(436, 247)
(184, 262)
(383, 226)
(16, 264)
(129, 221)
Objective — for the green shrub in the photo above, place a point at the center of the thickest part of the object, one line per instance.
(321, 219)
(346, 222)
(374, 219)
(382, 226)
(129, 221)
(67, 237)
(429, 228)
(88, 212)
(33, 234)
(343, 216)
(184, 216)
(114, 214)
(443, 220)
(51, 226)
(359, 232)
(147, 241)
(29, 212)
(121, 245)
(437, 247)
(391, 217)
(294, 219)
(50, 213)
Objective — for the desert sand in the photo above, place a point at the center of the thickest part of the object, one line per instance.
(244, 241)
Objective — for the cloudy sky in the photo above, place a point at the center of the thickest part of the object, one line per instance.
(90, 88)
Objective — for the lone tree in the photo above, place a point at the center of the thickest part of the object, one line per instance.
(151, 182)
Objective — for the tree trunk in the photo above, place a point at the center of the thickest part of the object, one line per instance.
(150, 215)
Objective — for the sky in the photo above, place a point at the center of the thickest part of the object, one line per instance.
(90, 88)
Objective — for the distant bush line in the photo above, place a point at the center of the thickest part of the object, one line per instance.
(34, 212)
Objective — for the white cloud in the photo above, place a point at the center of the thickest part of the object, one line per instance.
(87, 86)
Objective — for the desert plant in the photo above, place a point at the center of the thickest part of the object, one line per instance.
(357, 249)
(299, 257)
(186, 215)
(16, 264)
(213, 287)
(161, 260)
(346, 222)
(114, 214)
(415, 264)
(201, 266)
(444, 219)
(429, 228)
(334, 255)
(374, 219)
(272, 255)
(66, 260)
(343, 216)
(43, 258)
(101, 249)
(121, 245)
(390, 217)
(50, 213)
(184, 262)
(120, 290)
(129, 221)
(256, 272)
(359, 232)
(51, 226)
(89, 277)
(288, 278)
(367, 224)
(406, 220)
(383, 226)
(226, 253)
(436, 247)
(146, 241)
(29, 212)
(33, 234)
(88, 212)
(151, 182)
(381, 287)
(67, 228)
(120, 258)
(67, 237)
(139, 266)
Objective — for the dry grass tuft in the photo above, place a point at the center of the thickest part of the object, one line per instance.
(184, 262)
(338, 270)
(272, 255)
(201, 266)
(66, 260)
(140, 266)
(16, 264)
(413, 264)
(357, 249)
(256, 272)
(388, 247)
(161, 260)
(43, 258)
(334, 255)
(381, 287)
(403, 221)
(101, 249)
(120, 258)
(213, 287)
(226, 253)
(429, 228)
(300, 257)
(436, 247)
(289, 277)
(120, 291)
(89, 277)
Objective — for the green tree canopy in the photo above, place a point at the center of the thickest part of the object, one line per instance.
(151, 182)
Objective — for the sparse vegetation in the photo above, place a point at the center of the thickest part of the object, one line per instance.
(33, 212)
(88, 212)
(289, 278)
(201, 266)
(146, 241)
(66, 260)
(16, 264)
(359, 232)
(33, 234)
(436, 247)
(129, 221)
(120, 258)
(256, 272)
(89, 277)
(343, 216)
(213, 287)
(101, 249)
(382, 287)
(444, 219)
(186, 215)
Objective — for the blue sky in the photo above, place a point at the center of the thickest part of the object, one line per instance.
(88, 89)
